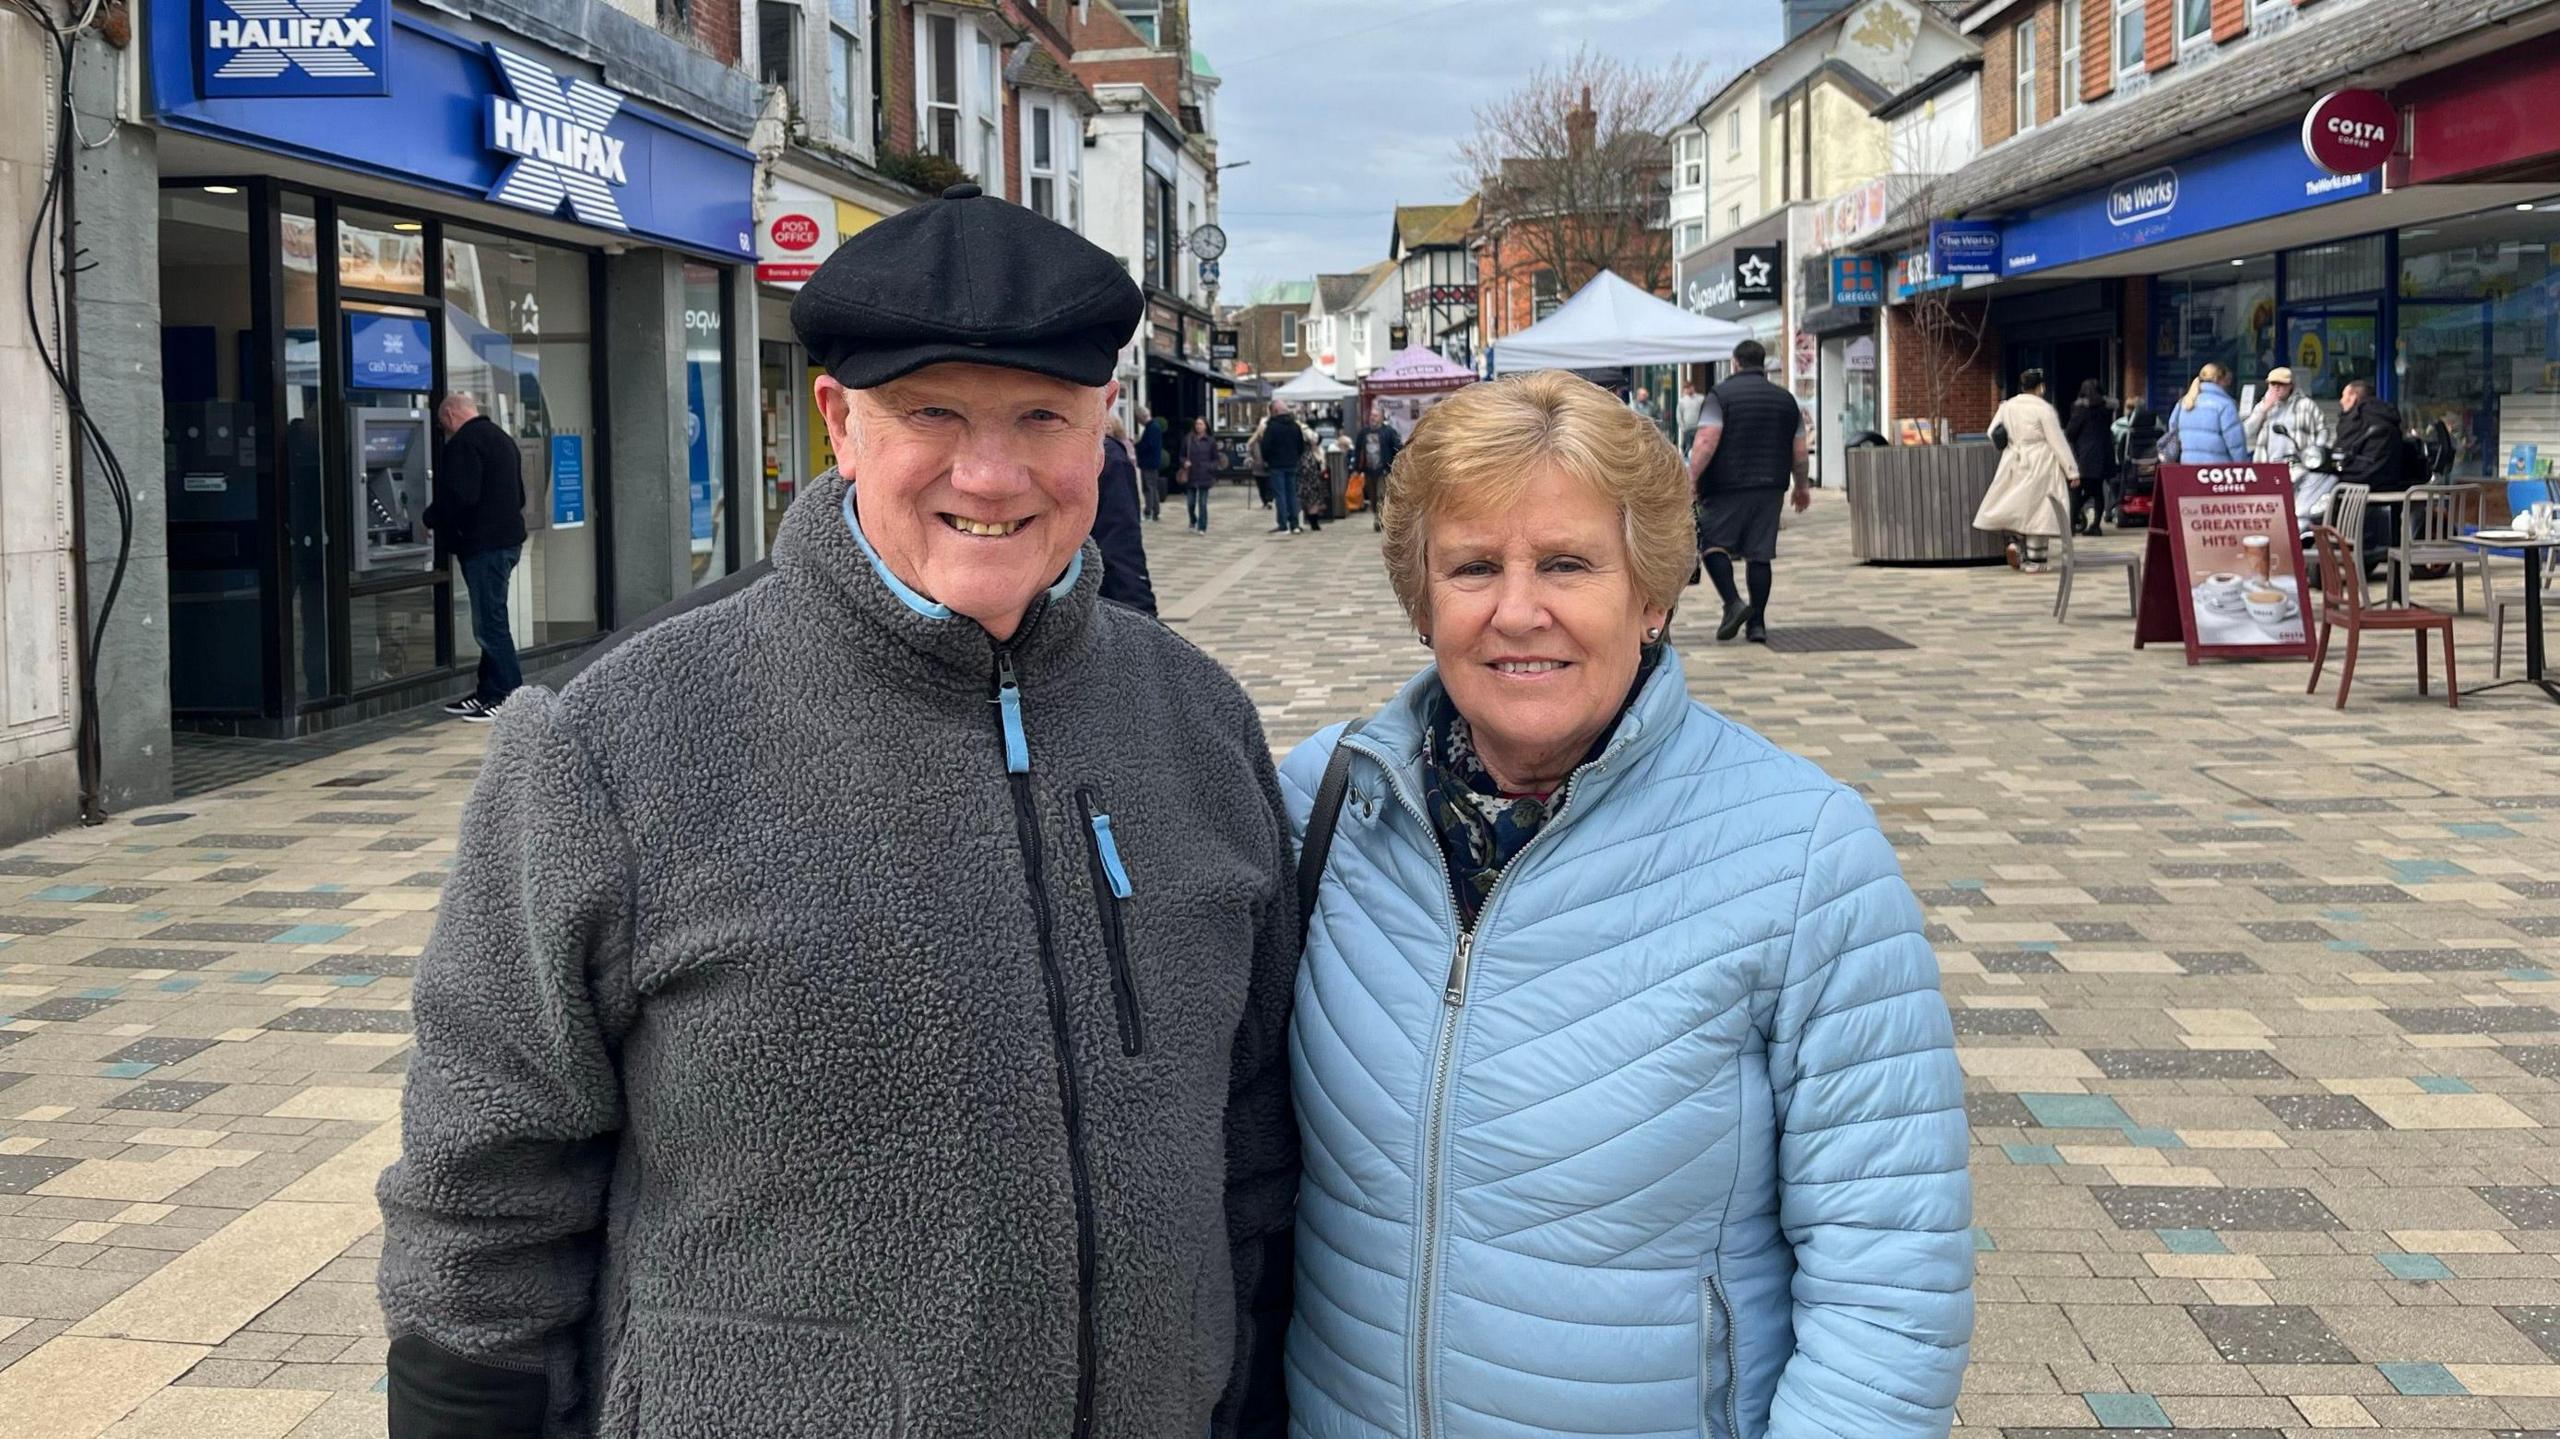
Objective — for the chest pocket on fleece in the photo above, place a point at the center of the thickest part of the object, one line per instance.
(1111, 890)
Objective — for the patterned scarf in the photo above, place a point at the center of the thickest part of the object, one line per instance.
(1480, 828)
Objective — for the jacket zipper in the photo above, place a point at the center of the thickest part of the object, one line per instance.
(1115, 940)
(1732, 1359)
(1026, 823)
(1453, 1000)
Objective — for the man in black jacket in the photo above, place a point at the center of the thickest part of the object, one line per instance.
(1750, 442)
(1373, 451)
(2370, 452)
(478, 515)
(1284, 448)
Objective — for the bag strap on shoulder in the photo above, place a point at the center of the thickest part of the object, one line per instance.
(1320, 821)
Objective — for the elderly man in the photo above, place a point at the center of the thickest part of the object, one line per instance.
(858, 1007)
(478, 515)
(1750, 443)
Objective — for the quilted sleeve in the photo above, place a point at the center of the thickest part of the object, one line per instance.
(1873, 1192)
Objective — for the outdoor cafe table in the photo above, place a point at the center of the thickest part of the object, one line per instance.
(2532, 551)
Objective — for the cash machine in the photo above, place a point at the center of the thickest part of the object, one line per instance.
(389, 472)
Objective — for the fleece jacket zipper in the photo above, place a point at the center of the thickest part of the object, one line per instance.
(1026, 822)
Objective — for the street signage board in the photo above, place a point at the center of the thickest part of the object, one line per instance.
(2348, 132)
(1964, 247)
(2256, 179)
(1857, 279)
(798, 233)
(568, 481)
(389, 352)
(1222, 343)
(1757, 273)
(2223, 572)
(300, 49)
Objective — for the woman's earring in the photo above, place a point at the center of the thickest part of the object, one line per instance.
(1426, 640)
(1653, 634)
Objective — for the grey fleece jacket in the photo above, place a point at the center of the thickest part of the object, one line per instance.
(788, 1067)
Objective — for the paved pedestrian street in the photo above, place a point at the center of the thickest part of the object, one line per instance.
(2256, 1003)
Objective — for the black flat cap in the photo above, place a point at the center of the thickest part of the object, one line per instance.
(973, 279)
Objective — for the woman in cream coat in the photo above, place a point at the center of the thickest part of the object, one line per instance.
(2036, 471)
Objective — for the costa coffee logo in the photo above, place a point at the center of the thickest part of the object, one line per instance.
(2144, 197)
(795, 232)
(2351, 131)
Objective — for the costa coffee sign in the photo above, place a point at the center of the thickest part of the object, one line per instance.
(2350, 132)
(797, 233)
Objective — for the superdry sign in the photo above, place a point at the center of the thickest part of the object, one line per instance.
(286, 48)
(2351, 131)
(556, 130)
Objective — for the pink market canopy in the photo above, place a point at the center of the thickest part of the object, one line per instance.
(1416, 371)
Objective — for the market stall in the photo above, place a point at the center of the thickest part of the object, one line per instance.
(1408, 384)
(1611, 322)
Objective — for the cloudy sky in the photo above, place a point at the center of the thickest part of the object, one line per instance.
(1348, 108)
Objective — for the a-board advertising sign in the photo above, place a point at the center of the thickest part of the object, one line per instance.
(2230, 583)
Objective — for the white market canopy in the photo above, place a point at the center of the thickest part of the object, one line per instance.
(1313, 387)
(1610, 322)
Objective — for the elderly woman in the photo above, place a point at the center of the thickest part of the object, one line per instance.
(1628, 1101)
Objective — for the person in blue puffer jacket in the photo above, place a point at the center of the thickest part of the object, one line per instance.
(1627, 1098)
(2206, 428)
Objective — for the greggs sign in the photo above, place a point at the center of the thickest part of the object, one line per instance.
(2351, 131)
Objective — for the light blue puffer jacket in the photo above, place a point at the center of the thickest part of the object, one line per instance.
(1686, 1153)
(2210, 434)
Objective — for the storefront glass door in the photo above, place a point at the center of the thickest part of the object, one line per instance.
(2330, 346)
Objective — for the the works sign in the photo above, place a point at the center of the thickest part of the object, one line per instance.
(556, 131)
(261, 49)
(2145, 197)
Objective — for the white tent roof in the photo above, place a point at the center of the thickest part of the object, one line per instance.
(1610, 322)
(1313, 386)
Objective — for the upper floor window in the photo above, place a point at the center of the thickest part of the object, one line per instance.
(1043, 156)
(1733, 132)
(1691, 235)
(1289, 333)
(2072, 23)
(848, 74)
(1733, 217)
(778, 50)
(958, 97)
(2025, 35)
(1689, 159)
(1143, 16)
(1545, 294)
(2195, 20)
(2129, 34)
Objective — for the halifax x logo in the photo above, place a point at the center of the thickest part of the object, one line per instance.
(556, 131)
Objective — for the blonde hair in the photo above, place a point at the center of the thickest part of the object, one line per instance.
(1479, 450)
(2195, 387)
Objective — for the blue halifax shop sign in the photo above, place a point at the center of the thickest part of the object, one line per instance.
(2254, 179)
(430, 108)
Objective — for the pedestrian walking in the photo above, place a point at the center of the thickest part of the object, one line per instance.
(1199, 472)
(1750, 443)
(1374, 451)
(1150, 460)
(478, 517)
(2036, 469)
(2205, 428)
(858, 1008)
(1675, 1143)
(1282, 444)
(1261, 468)
(1117, 530)
(1692, 400)
(1315, 480)
(2091, 430)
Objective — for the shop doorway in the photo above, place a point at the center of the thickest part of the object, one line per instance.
(2066, 364)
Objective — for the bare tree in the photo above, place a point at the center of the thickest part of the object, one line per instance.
(1574, 166)
(1951, 328)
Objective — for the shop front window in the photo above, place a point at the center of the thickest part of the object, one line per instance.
(2224, 314)
(2479, 339)
(212, 456)
(706, 382)
(306, 472)
(381, 252)
(517, 339)
(2341, 267)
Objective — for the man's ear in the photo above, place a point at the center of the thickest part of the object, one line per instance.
(835, 410)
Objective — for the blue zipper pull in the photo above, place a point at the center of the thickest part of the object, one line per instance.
(1017, 745)
(1109, 849)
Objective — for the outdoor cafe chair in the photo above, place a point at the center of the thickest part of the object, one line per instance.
(2342, 605)
(2434, 515)
(2129, 560)
(2347, 504)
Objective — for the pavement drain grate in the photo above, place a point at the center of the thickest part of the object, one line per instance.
(1832, 639)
